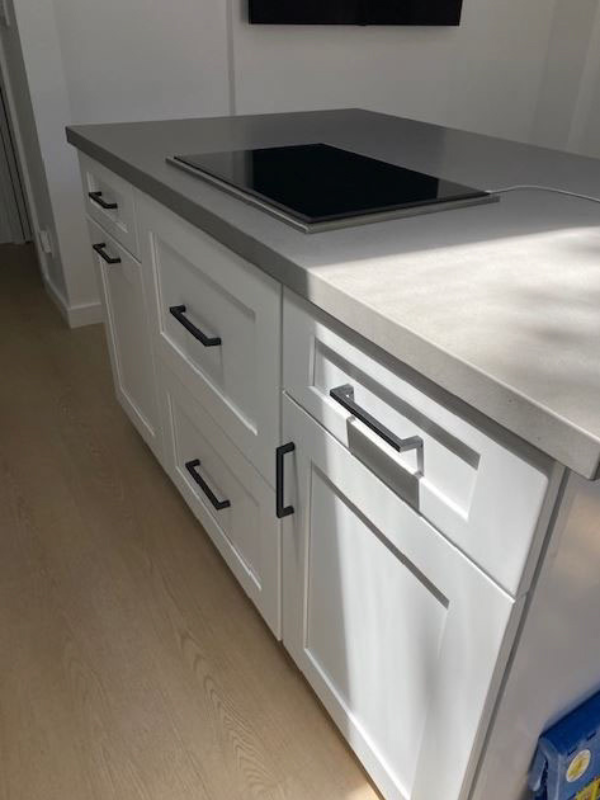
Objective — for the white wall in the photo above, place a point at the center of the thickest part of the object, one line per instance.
(526, 70)
(589, 143)
(568, 110)
(50, 103)
(482, 76)
(144, 59)
(585, 129)
(23, 119)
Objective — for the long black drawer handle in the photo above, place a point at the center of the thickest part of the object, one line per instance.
(192, 467)
(96, 197)
(208, 341)
(100, 249)
(344, 395)
(282, 510)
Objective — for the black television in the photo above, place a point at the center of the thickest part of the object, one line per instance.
(355, 12)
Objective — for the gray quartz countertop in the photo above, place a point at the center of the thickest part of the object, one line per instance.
(497, 304)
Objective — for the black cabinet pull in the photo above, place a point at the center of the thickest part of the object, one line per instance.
(99, 248)
(282, 510)
(208, 341)
(344, 395)
(96, 197)
(192, 467)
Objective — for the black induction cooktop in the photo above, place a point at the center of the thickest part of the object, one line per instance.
(318, 187)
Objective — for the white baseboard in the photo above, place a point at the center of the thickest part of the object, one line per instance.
(85, 314)
(57, 298)
(75, 316)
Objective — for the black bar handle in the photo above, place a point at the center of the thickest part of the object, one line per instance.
(344, 395)
(192, 467)
(100, 249)
(96, 197)
(208, 341)
(282, 510)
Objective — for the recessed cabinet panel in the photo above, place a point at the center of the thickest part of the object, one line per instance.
(214, 311)
(227, 494)
(481, 493)
(374, 642)
(128, 334)
(217, 322)
(240, 520)
(402, 637)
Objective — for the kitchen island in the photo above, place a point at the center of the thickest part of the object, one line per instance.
(465, 566)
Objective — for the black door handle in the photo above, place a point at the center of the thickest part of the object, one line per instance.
(96, 197)
(99, 248)
(208, 341)
(344, 395)
(282, 510)
(192, 467)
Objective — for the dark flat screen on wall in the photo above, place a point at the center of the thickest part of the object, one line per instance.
(355, 12)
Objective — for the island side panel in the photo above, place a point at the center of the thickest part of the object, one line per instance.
(557, 659)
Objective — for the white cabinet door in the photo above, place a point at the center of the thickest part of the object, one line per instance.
(401, 636)
(128, 334)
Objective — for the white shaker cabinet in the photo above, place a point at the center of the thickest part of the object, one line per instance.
(128, 334)
(411, 528)
(401, 636)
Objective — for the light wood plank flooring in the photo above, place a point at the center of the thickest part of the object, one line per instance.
(132, 667)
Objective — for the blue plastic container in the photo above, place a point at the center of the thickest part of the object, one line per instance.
(566, 765)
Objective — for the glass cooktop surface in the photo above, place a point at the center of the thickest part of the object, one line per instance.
(318, 183)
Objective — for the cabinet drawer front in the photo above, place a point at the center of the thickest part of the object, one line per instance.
(482, 494)
(217, 321)
(109, 200)
(128, 334)
(401, 636)
(227, 494)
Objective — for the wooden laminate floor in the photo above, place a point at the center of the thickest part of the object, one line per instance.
(132, 667)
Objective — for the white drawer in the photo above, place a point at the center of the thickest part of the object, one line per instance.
(481, 493)
(109, 200)
(217, 323)
(233, 502)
